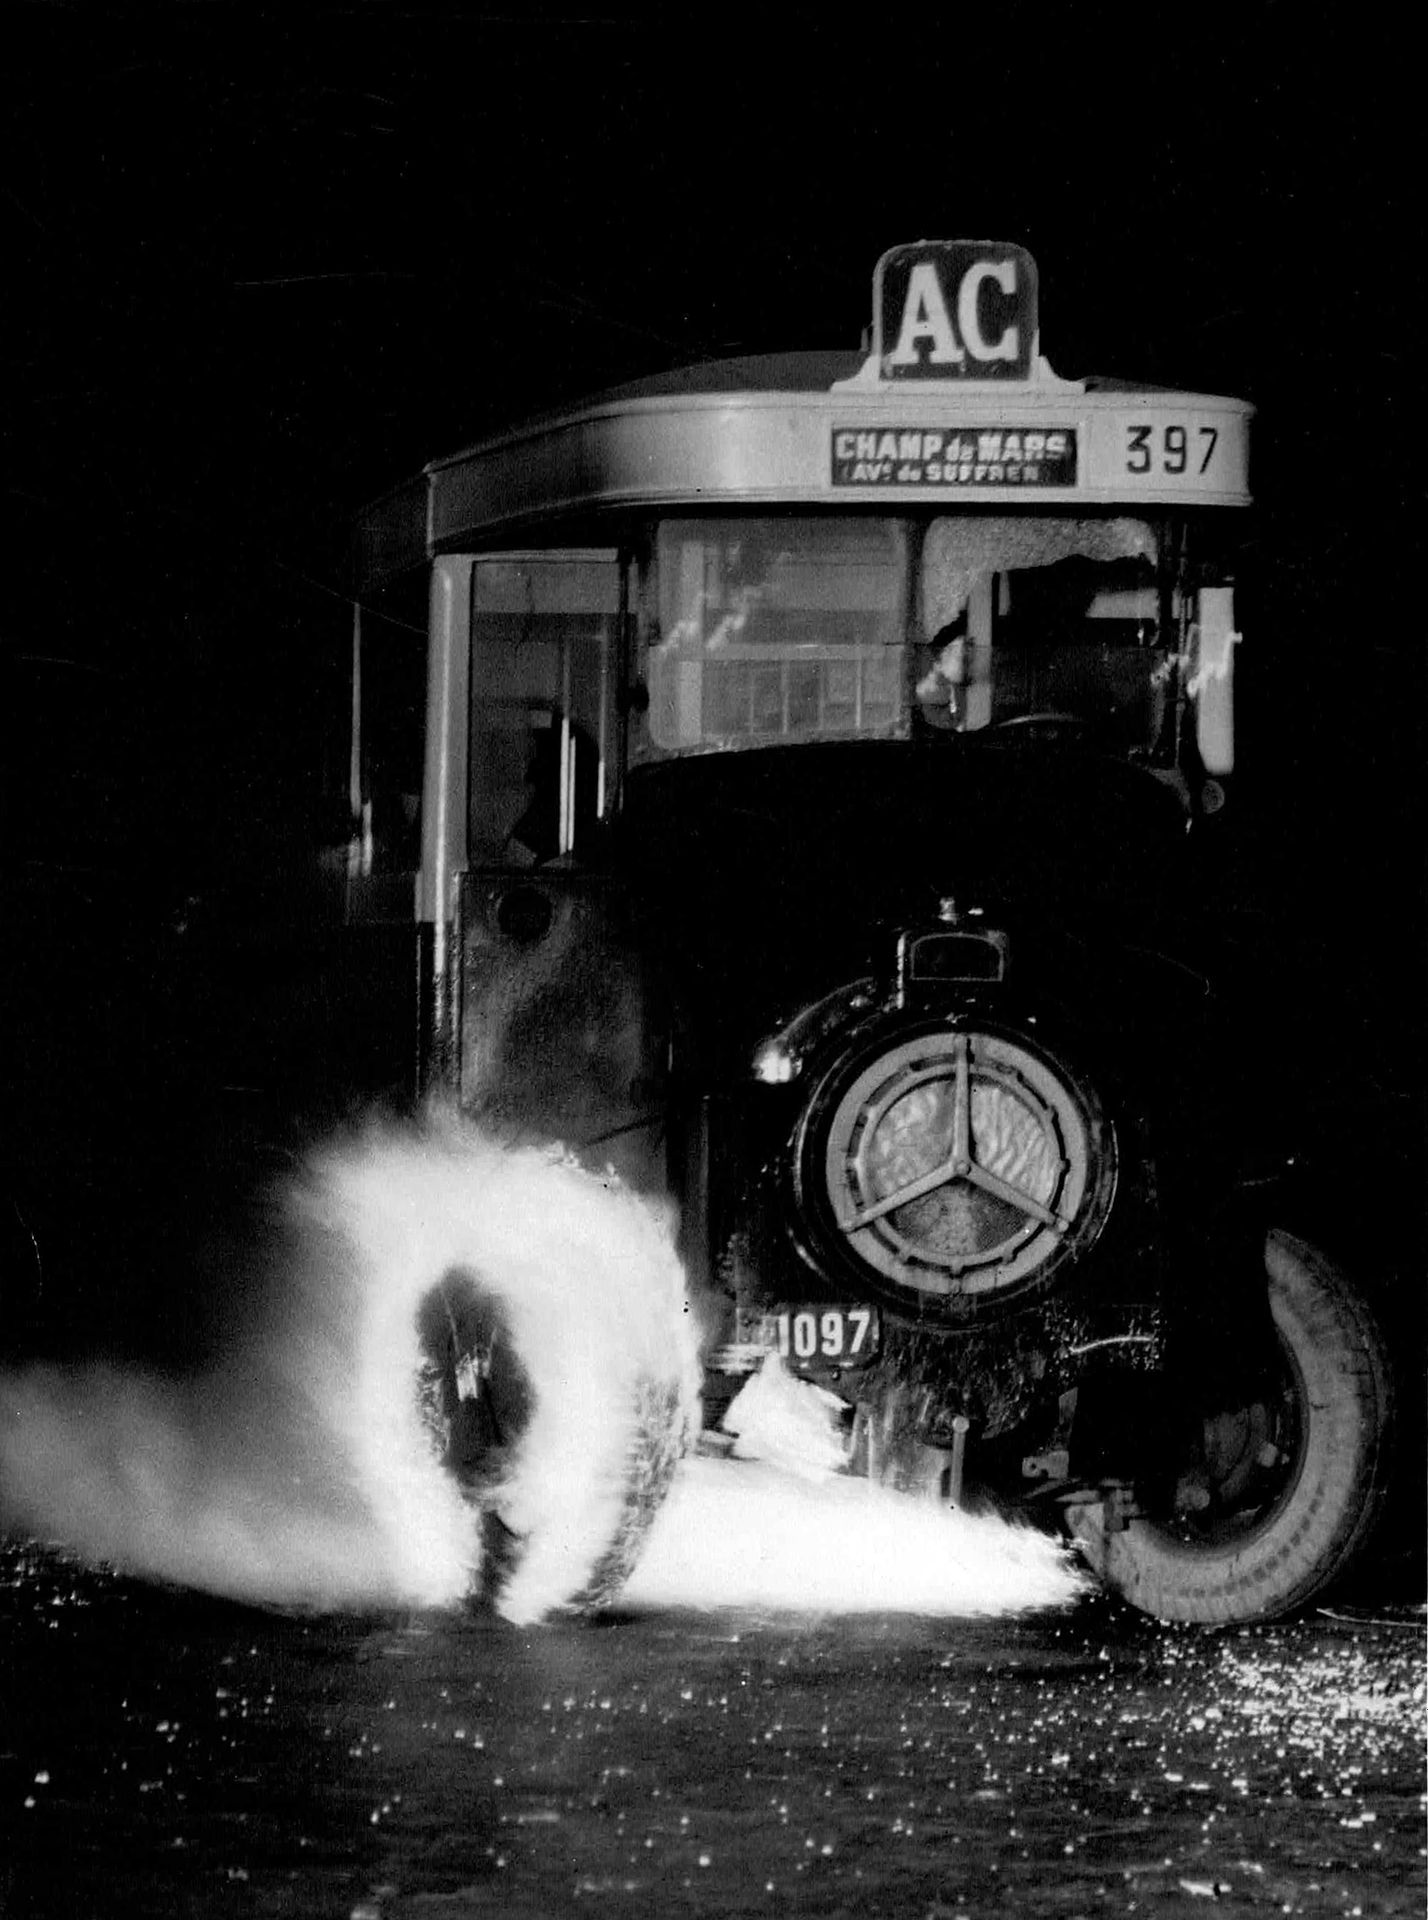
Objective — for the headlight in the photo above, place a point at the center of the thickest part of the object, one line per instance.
(775, 1062)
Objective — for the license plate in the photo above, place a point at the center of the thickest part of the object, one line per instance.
(815, 1336)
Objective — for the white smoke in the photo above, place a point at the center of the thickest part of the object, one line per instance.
(752, 1536)
(778, 1526)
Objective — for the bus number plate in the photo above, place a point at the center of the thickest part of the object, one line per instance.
(807, 1337)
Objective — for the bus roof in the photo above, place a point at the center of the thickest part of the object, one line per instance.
(933, 419)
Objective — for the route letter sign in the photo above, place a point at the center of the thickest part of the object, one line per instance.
(955, 310)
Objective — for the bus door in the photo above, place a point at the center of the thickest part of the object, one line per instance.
(556, 1039)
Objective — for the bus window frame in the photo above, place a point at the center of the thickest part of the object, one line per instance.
(574, 826)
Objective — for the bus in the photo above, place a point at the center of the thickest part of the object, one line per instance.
(786, 779)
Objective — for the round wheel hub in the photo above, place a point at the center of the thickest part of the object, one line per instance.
(957, 1163)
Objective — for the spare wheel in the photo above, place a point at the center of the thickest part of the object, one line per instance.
(950, 1167)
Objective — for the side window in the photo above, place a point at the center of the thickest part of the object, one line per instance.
(544, 629)
(384, 777)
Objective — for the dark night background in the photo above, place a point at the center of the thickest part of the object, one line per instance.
(262, 262)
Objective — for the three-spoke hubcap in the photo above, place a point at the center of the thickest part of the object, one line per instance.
(959, 1163)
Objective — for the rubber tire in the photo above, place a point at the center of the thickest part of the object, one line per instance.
(655, 1453)
(476, 1438)
(1320, 1522)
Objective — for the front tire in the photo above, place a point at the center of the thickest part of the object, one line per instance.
(1291, 1485)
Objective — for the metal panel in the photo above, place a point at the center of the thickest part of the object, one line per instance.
(559, 1040)
(443, 824)
(443, 854)
(391, 535)
(719, 450)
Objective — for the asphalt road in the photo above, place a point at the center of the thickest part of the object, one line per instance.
(166, 1753)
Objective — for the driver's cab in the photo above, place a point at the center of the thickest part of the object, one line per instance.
(725, 633)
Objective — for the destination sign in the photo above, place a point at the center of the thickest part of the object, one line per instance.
(946, 457)
(955, 310)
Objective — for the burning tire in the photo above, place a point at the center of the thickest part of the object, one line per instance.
(479, 1407)
(1287, 1488)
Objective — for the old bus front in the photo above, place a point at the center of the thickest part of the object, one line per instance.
(815, 755)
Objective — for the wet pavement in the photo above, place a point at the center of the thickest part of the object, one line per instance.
(166, 1753)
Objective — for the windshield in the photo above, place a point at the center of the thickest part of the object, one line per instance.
(1022, 617)
(760, 631)
(767, 630)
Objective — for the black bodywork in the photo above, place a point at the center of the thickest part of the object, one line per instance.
(740, 896)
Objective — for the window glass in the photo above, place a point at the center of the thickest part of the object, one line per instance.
(543, 632)
(390, 667)
(757, 631)
(1051, 617)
